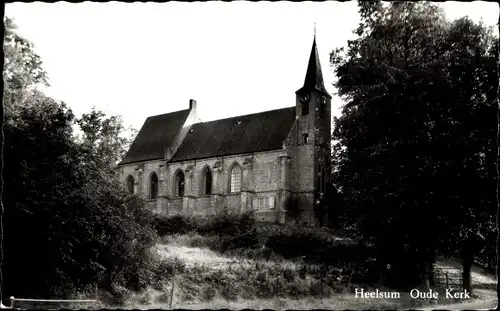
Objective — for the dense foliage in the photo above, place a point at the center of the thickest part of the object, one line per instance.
(235, 234)
(68, 224)
(415, 144)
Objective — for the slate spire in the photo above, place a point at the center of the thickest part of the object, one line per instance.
(314, 75)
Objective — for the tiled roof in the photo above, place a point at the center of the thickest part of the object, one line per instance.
(243, 134)
(156, 134)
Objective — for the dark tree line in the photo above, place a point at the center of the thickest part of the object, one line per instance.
(68, 225)
(415, 154)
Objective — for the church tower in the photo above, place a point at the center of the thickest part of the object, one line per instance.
(313, 136)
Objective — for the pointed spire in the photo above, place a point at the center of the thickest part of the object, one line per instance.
(314, 75)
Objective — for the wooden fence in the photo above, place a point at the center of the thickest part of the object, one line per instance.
(450, 278)
(20, 303)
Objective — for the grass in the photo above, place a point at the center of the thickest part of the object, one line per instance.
(231, 262)
(240, 235)
(206, 279)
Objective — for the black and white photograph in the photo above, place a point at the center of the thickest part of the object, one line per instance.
(250, 155)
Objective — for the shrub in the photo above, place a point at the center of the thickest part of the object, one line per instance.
(163, 298)
(244, 240)
(226, 224)
(230, 292)
(240, 235)
(173, 224)
(208, 293)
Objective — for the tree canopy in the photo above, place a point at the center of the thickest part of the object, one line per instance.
(68, 223)
(414, 151)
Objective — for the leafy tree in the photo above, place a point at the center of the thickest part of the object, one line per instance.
(68, 222)
(413, 153)
(62, 201)
(22, 68)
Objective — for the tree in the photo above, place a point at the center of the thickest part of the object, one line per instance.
(22, 68)
(414, 134)
(62, 201)
(68, 222)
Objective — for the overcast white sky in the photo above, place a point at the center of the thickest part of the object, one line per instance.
(143, 59)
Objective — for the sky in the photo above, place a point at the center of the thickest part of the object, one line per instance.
(234, 58)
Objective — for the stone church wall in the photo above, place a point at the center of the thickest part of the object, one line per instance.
(302, 176)
(263, 184)
(261, 178)
(302, 168)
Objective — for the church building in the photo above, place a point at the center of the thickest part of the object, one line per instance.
(273, 162)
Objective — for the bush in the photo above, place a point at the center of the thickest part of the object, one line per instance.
(224, 224)
(77, 225)
(208, 293)
(245, 240)
(230, 292)
(177, 224)
(240, 235)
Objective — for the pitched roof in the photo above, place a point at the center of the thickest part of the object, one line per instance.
(314, 75)
(156, 134)
(243, 134)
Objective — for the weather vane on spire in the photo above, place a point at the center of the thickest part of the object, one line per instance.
(314, 29)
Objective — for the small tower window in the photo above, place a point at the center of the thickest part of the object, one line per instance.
(305, 138)
(304, 99)
(153, 192)
(322, 106)
(305, 109)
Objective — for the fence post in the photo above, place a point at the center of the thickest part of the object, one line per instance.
(12, 302)
(446, 276)
(172, 292)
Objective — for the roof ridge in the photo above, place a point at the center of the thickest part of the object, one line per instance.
(164, 114)
(246, 115)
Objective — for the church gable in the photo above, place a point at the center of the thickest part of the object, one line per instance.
(156, 134)
(238, 135)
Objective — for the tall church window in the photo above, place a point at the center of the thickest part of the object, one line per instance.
(153, 186)
(235, 181)
(130, 184)
(207, 181)
(179, 184)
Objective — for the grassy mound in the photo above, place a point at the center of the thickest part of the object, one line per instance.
(239, 235)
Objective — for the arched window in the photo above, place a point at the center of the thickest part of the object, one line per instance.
(130, 184)
(153, 186)
(207, 181)
(305, 138)
(235, 181)
(179, 184)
